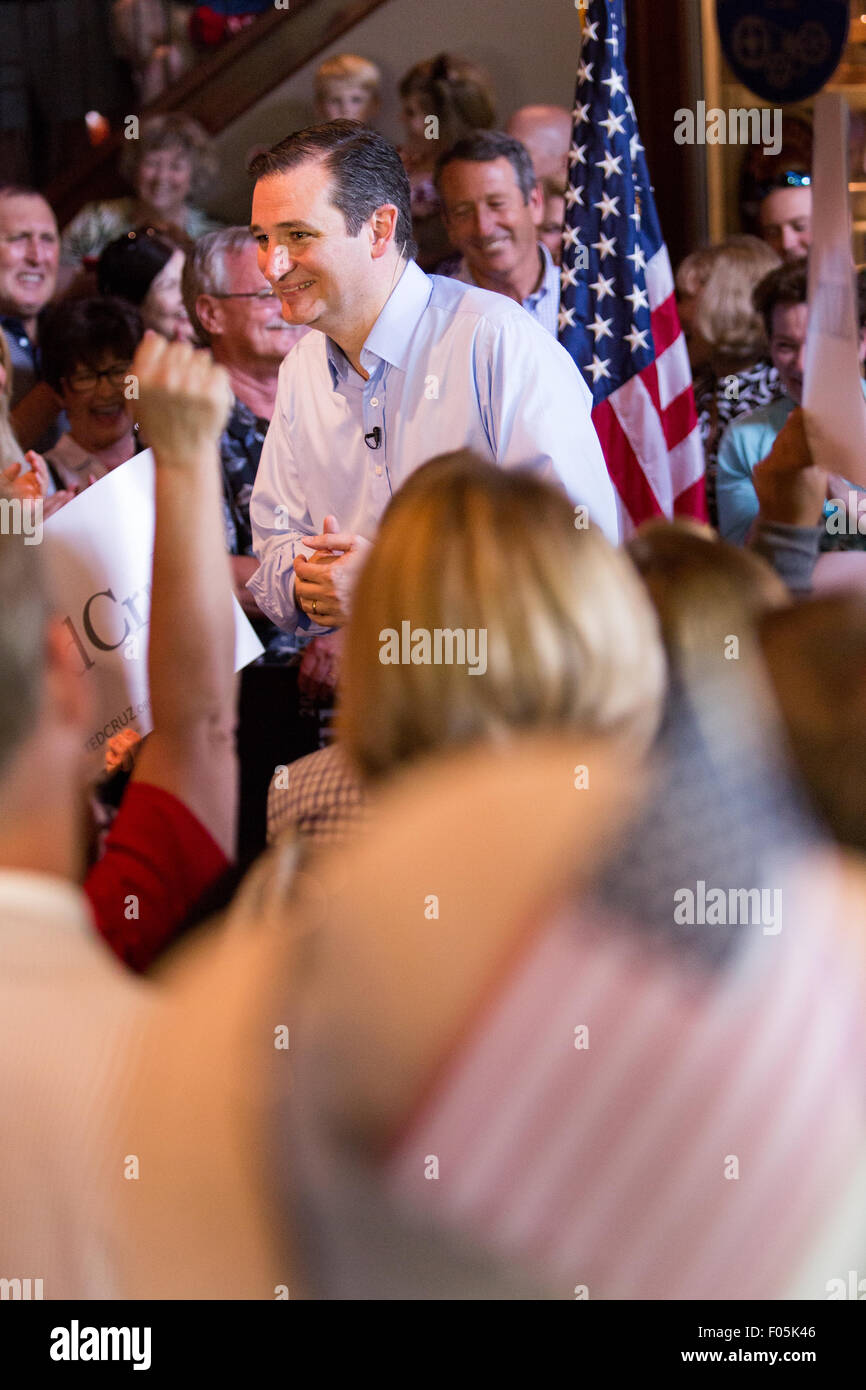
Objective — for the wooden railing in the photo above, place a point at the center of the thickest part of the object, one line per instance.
(221, 87)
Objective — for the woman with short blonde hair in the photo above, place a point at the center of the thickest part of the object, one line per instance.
(486, 606)
(725, 315)
(729, 345)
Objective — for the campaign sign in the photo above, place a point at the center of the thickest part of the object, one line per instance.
(783, 50)
(100, 553)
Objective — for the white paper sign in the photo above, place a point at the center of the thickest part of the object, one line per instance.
(100, 551)
(835, 411)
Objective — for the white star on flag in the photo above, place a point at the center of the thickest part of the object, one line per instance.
(577, 154)
(574, 195)
(637, 338)
(615, 83)
(598, 368)
(635, 216)
(603, 287)
(637, 299)
(567, 276)
(638, 257)
(608, 206)
(634, 146)
(566, 319)
(600, 328)
(590, 30)
(605, 246)
(613, 124)
(581, 112)
(571, 237)
(610, 164)
(613, 40)
(584, 71)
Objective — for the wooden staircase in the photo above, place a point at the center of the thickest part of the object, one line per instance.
(221, 87)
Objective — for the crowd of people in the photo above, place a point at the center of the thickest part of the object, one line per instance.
(501, 936)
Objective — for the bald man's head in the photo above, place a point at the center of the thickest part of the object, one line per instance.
(546, 133)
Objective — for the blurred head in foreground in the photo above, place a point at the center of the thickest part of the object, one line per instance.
(607, 1163)
(709, 597)
(816, 656)
(542, 624)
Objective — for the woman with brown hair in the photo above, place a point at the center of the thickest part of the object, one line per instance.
(442, 99)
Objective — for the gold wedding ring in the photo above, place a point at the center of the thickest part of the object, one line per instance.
(314, 605)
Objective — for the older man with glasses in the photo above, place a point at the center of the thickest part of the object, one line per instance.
(236, 313)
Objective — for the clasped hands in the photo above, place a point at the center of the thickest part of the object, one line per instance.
(324, 582)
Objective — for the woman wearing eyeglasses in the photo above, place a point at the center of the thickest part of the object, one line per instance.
(87, 352)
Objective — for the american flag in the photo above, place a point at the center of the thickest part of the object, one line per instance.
(618, 315)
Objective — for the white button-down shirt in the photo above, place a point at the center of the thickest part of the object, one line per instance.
(450, 367)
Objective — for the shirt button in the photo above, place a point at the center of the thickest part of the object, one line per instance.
(375, 400)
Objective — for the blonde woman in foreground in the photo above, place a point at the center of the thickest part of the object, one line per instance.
(483, 609)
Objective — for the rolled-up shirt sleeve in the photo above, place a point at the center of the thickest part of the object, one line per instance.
(280, 522)
(536, 409)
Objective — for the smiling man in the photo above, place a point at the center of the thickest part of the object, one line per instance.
(785, 216)
(402, 366)
(235, 312)
(493, 209)
(29, 257)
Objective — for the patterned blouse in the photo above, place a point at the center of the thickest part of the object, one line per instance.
(240, 451)
(720, 400)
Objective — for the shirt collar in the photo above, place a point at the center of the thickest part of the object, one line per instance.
(242, 420)
(14, 329)
(390, 337)
(549, 274)
(43, 898)
(68, 454)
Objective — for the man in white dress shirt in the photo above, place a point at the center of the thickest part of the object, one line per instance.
(403, 367)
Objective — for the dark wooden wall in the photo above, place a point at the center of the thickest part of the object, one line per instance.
(664, 65)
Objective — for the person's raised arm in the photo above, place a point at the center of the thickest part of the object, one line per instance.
(184, 401)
